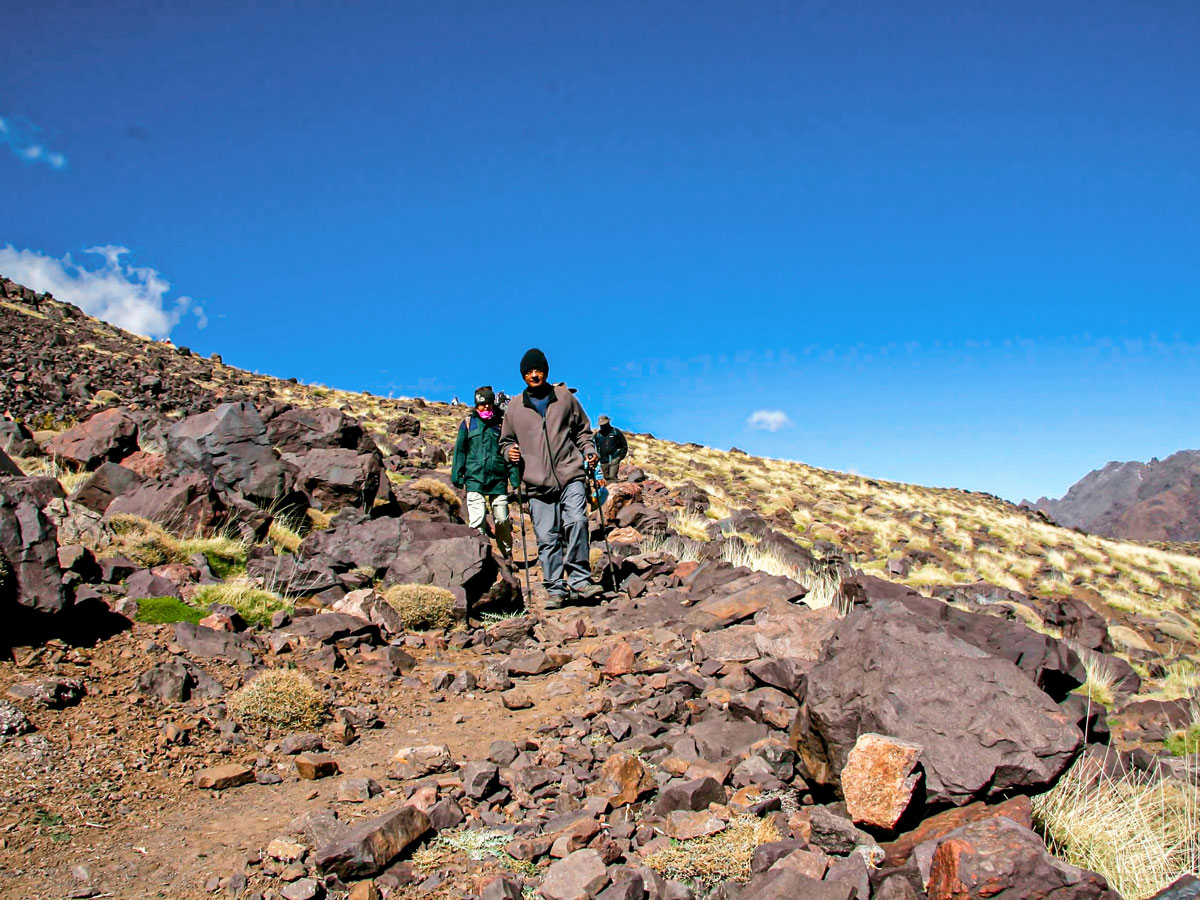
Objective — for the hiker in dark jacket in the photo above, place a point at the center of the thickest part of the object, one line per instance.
(548, 433)
(479, 467)
(612, 447)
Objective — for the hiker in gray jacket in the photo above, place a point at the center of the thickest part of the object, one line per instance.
(548, 433)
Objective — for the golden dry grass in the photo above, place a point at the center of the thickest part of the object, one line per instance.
(421, 607)
(282, 698)
(707, 861)
(1138, 833)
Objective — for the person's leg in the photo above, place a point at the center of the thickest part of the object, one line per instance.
(611, 470)
(547, 525)
(575, 534)
(503, 525)
(477, 511)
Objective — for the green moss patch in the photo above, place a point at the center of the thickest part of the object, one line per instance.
(167, 611)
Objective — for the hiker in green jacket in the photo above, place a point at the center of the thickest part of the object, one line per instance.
(480, 469)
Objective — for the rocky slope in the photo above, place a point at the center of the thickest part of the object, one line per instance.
(1154, 501)
(254, 651)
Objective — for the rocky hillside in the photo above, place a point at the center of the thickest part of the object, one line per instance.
(1154, 501)
(253, 651)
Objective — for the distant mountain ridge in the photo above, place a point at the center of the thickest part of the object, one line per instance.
(1154, 501)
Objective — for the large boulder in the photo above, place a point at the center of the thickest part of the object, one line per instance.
(355, 541)
(110, 435)
(18, 440)
(333, 478)
(102, 486)
(986, 730)
(300, 431)
(187, 503)
(454, 557)
(29, 571)
(229, 445)
(1050, 664)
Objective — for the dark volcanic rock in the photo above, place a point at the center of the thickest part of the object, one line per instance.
(29, 570)
(108, 481)
(365, 849)
(187, 503)
(300, 431)
(229, 445)
(887, 672)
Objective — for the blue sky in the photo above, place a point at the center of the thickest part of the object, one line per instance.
(953, 243)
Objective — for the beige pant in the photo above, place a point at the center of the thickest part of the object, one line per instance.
(477, 509)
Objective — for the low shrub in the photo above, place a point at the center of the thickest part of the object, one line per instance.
(421, 606)
(707, 861)
(167, 611)
(281, 698)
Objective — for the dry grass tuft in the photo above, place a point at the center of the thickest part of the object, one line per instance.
(253, 604)
(281, 698)
(693, 526)
(1139, 835)
(439, 490)
(421, 606)
(318, 520)
(284, 536)
(149, 544)
(707, 861)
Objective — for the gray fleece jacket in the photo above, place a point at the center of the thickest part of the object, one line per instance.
(552, 448)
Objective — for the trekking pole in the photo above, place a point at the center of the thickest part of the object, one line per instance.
(591, 476)
(524, 550)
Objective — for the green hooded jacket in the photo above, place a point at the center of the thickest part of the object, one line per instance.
(477, 464)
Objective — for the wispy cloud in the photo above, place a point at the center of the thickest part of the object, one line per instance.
(768, 419)
(24, 139)
(130, 297)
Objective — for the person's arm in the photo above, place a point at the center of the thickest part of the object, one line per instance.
(508, 439)
(458, 468)
(581, 430)
(622, 445)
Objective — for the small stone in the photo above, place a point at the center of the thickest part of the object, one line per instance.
(304, 889)
(683, 825)
(357, 790)
(303, 742)
(311, 766)
(516, 699)
(219, 778)
(285, 850)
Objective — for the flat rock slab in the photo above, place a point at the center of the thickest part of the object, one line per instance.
(368, 848)
(879, 779)
(219, 778)
(579, 876)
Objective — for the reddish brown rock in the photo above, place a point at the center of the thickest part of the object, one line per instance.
(311, 766)
(365, 849)
(579, 876)
(219, 778)
(620, 660)
(879, 779)
(109, 435)
(623, 778)
(1018, 808)
(997, 858)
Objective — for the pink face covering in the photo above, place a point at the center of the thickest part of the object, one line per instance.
(484, 414)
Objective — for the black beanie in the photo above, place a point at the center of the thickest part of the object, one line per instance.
(485, 394)
(534, 359)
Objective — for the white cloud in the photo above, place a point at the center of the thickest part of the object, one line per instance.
(768, 419)
(23, 138)
(130, 297)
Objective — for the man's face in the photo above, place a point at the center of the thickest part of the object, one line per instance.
(535, 378)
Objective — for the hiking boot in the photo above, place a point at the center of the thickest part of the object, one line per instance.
(555, 601)
(585, 590)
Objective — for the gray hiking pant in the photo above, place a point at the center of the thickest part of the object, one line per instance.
(560, 522)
